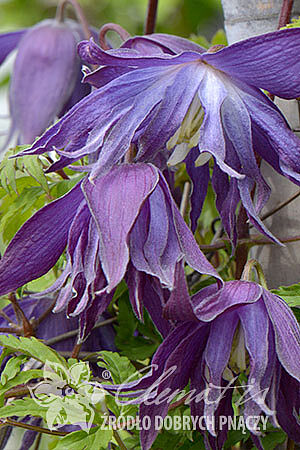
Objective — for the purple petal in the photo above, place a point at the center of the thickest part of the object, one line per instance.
(166, 42)
(209, 303)
(192, 253)
(115, 201)
(276, 132)
(100, 77)
(252, 61)
(211, 137)
(8, 42)
(40, 241)
(190, 249)
(93, 54)
(227, 199)
(255, 323)
(217, 356)
(157, 232)
(200, 178)
(178, 307)
(91, 314)
(168, 117)
(245, 187)
(287, 333)
(154, 301)
(80, 90)
(147, 291)
(288, 406)
(178, 367)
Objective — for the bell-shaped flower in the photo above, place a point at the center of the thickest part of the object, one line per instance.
(221, 333)
(211, 100)
(128, 214)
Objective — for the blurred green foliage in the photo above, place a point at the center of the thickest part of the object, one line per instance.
(174, 16)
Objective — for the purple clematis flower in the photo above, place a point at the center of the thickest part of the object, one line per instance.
(241, 328)
(46, 78)
(128, 214)
(175, 96)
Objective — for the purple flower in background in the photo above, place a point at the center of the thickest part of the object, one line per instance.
(46, 78)
(47, 325)
(219, 334)
(212, 101)
(126, 215)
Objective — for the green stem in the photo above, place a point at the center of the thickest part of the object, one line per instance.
(119, 440)
(249, 266)
(73, 333)
(124, 35)
(27, 426)
(185, 198)
(290, 445)
(27, 327)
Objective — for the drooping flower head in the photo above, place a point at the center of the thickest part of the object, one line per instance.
(241, 328)
(180, 96)
(126, 215)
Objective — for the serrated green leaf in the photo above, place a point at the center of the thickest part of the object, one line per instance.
(8, 175)
(23, 407)
(32, 347)
(21, 378)
(33, 166)
(119, 367)
(13, 366)
(290, 294)
(80, 440)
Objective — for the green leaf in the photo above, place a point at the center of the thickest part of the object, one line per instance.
(11, 369)
(135, 347)
(23, 407)
(33, 166)
(8, 175)
(235, 436)
(81, 440)
(273, 439)
(21, 378)
(32, 347)
(120, 367)
(219, 38)
(290, 294)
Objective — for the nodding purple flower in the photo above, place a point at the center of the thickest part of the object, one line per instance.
(165, 93)
(221, 333)
(46, 77)
(128, 214)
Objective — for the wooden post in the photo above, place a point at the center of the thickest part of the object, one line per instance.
(243, 19)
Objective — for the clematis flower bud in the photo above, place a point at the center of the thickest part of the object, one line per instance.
(44, 75)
